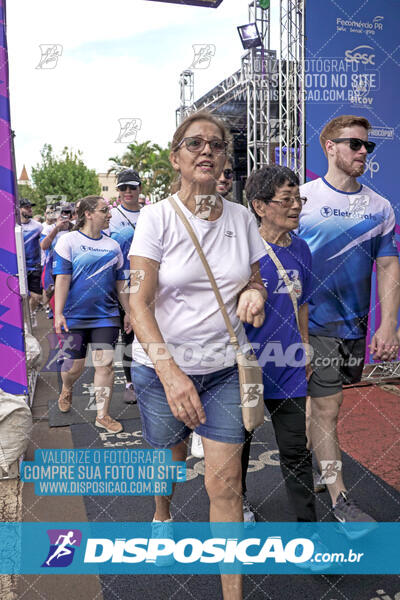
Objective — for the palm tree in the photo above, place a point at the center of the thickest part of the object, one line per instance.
(152, 163)
(136, 156)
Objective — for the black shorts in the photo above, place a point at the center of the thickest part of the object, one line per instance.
(335, 362)
(75, 342)
(34, 284)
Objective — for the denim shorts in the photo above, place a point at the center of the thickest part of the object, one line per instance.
(219, 394)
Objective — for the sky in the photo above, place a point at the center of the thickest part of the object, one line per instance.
(119, 60)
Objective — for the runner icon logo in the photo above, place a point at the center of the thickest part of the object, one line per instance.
(295, 283)
(62, 547)
(203, 54)
(253, 393)
(128, 129)
(330, 469)
(50, 53)
(357, 205)
(136, 277)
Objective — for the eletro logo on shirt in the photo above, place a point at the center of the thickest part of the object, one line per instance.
(327, 211)
(91, 249)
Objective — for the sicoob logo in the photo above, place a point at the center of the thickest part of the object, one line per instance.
(62, 547)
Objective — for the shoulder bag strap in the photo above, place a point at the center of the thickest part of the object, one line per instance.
(286, 279)
(233, 339)
(125, 217)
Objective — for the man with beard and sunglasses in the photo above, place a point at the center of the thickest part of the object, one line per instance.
(225, 180)
(348, 228)
(122, 228)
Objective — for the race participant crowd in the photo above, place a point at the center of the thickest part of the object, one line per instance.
(294, 273)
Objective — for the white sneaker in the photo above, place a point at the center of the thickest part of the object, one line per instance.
(197, 446)
(163, 529)
(249, 518)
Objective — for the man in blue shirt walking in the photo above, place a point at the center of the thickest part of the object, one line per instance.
(31, 231)
(348, 228)
(122, 228)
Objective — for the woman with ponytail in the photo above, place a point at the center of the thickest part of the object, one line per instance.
(89, 281)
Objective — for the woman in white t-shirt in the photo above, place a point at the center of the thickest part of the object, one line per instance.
(184, 370)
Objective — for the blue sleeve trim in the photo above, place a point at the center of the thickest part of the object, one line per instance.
(61, 266)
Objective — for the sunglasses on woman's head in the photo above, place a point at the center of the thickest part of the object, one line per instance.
(127, 186)
(356, 143)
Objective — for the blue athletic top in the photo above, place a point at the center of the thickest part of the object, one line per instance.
(122, 231)
(346, 233)
(95, 265)
(31, 232)
(278, 343)
(49, 254)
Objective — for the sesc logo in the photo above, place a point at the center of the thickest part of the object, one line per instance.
(62, 547)
(326, 211)
(361, 55)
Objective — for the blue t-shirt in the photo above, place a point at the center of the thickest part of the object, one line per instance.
(278, 343)
(122, 231)
(95, 265)
(49, 254)
(346, 233)
(31, 232)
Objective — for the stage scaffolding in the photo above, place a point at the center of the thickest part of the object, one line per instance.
(186, 87)
(291, 85)
(264, 98)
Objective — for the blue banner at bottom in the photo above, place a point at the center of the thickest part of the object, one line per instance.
(199, 548)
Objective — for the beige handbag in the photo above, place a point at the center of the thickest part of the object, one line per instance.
(250, 372)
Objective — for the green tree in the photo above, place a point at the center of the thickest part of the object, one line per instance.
(137, 156)
(65, 174)
(152, 163)
(162, 172)
(26, 191)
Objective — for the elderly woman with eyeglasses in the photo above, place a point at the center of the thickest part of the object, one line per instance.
(281, 344)
(184, 369)
(89, 278)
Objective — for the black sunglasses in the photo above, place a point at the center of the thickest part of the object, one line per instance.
(228, 173)
(355, 144)
(127, 186)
